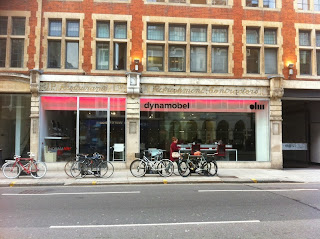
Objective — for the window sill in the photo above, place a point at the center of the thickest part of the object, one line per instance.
(262, 9)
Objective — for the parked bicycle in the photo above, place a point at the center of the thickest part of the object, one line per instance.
(91, 165)
(13, 169)
(201, 164)
(142, 165)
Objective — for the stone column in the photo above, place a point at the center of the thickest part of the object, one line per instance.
(133, 117)
(276, 92)
(35, 103)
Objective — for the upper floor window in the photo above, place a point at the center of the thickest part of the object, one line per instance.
(261, 3)
(308, 5)
(198, 2)
(111, 49)
(261, 50)
(13, 38)
(309, 52)
(188, 49)
(63, 45)
(220, 2)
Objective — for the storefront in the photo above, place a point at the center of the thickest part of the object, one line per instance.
(241, 124)
(70, 125)
(14, 125)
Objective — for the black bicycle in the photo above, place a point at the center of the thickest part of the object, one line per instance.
(200, 164)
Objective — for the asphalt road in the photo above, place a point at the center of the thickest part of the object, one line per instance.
(162, 211)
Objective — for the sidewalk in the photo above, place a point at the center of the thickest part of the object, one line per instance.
(123, 176)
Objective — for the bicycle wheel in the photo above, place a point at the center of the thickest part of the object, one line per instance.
(76, 169)
(184, 169)
(110, 170)
(138, 168)
(165, 168)
(102, 169)
(213, 168)
(68, 166)
(175, 168)
(204, 169)
(38, 169)
(11, 170)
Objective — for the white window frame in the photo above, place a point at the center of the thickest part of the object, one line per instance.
(260, 6)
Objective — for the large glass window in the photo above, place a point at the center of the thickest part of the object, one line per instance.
(206, 122)
(198, 33)
(219, 34)
(17, 50)
(271, 61)
(72, 55)
(15, 124)
(253, 60)
(62, 138)
(305, 62)
(54, 54)
(55, 27)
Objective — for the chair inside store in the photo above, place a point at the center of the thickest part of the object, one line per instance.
(118, 150)
(221, 151)
(195, 148)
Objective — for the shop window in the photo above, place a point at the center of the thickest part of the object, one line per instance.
(177, 33)
(14, 125)
(206, 122)
(198, 59)
(177, 58)
(155, 57)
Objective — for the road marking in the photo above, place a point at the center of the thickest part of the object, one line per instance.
(262, 190)
(81, 193)
(254, 180)
(12, 183)
(154, 224)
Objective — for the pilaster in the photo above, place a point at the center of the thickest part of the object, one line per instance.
(276, 92)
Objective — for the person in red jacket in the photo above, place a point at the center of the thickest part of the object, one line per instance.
(174, 148)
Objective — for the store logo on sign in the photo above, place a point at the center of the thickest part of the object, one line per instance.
(257, 107)
(166, 106)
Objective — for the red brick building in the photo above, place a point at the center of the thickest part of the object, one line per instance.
(120, 76)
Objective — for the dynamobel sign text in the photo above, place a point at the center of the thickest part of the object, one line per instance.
(166, 106)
